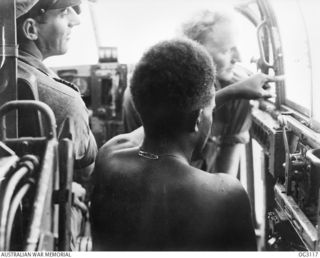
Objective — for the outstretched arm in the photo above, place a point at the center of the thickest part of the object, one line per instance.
(254, 87)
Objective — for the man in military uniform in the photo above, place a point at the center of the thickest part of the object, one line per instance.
(43, 29)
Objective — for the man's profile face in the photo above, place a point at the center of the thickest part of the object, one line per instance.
(54, 34)
(222, 46)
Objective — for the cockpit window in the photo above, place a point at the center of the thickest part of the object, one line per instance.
(134, 25)
(298, 26)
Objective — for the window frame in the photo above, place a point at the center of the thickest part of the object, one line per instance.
(282, 104)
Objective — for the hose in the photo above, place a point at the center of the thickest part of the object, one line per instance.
(12, 212)
(28, 164)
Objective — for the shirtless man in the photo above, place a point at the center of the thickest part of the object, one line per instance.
(217, 31)
(147, 196)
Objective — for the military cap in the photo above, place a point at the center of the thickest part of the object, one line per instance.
(36, 7)
(23, 6)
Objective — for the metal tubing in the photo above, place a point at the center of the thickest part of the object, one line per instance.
(28, 164)
(262, 55)
(314, 157)
(12, 212)
(5, 201)
(8, 59)
(45, 176)
(66, 176)
(33, 104)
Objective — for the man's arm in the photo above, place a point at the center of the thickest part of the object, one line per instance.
(254, 87)
(85, 151)
(101, 198)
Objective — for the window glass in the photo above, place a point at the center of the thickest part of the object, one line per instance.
(296, 52)
(134, 25)
(247, 43)
(310, 10)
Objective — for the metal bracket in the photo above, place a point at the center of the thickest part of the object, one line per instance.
(60, 196)
(287, 165)
(294, 162)
(9, 50)
(6, 50)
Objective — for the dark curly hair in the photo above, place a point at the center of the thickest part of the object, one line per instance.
(173, 79)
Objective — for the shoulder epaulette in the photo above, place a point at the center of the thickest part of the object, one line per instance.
(69, 84)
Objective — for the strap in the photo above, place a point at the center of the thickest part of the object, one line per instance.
(9, 50)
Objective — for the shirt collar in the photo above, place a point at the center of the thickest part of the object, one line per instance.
(35, 61)
(38, 64)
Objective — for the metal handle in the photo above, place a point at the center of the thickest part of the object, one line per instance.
(288, 162)
(314, 156)
(263, 58)
(25, 104)
(3, 52)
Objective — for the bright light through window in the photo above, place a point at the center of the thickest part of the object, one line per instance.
(134, 25)
(311, 10)
(291, 17)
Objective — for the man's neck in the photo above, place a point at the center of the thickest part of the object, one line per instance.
(31, 48)
(163, 146)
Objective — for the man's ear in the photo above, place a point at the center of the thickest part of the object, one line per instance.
(196, 120)
(30, 29)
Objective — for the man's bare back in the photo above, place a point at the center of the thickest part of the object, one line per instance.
(165, 204)
(147, 196)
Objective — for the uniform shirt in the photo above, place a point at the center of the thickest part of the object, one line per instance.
(65, 101)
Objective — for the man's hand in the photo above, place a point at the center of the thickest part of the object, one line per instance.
(256, 86)
(79, 194)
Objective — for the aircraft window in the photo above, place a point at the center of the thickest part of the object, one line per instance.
(297, 22)
(247, 44)
(310, 10)
(133, 26)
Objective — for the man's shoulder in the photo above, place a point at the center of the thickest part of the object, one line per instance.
(124, 141)
(119, 144)
(27, 74)
(226, 185)
(233, 194)
(234, 188)
(44, 82)
(26, 70)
